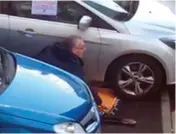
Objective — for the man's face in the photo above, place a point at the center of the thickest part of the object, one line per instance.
(79, 48)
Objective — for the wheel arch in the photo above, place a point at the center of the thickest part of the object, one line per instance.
(155, 58)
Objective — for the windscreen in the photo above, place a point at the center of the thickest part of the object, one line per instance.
(117, 10)
(7, 69)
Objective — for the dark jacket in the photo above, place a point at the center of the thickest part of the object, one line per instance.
(58, 56)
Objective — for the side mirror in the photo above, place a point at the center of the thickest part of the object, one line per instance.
(84, 23)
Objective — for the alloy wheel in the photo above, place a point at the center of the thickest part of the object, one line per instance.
(136, 78)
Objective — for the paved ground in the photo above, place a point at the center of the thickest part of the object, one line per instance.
(147, 113)
(172, 97)
(172, 101)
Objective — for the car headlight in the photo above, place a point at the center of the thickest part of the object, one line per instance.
(169, 42)
(68, 128)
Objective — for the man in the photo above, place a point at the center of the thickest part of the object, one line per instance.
(68, 56)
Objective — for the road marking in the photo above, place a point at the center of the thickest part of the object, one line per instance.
(166, 113)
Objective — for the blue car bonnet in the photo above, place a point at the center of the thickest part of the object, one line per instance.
(45, 93)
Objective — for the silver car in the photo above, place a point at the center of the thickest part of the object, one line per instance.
(122, 53)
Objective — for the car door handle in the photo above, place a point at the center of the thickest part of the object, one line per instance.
(27, 31)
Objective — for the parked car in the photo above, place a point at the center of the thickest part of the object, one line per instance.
(136, 65)
(37, 97)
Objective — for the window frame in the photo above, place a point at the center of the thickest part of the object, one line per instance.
(0, 7)
(96, 20)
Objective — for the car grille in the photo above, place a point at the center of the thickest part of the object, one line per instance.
(92, 121)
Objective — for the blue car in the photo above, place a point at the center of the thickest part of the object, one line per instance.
(37, 97)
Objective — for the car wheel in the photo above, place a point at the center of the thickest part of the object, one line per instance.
(137, 77)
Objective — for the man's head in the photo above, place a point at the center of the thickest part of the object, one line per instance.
(75, 44)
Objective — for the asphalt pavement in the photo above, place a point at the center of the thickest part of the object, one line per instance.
(148, 115)
(172, 103)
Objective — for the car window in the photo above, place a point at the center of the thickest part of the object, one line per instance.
(67, 12)
(71, 12)
(1, 69)
(109, 10)
(0, 8)
(7, 69)
(130, 6)
(5, 7)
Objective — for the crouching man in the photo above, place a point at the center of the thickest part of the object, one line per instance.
(68, 56)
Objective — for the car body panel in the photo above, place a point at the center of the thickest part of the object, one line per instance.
(147, 21)
(97, 42)
(43, 37)
(118, 45)
(15, 124)
(137, 37)
(41, 96)
(51, 86)
(149, 29)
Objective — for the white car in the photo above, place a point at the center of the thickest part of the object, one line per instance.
(136, 65)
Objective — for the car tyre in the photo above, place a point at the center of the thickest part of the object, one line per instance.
(151, 64)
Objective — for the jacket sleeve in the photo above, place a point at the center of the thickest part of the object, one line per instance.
(41, 54)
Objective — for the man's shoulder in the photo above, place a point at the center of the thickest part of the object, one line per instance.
(47, 48)
(44, 53)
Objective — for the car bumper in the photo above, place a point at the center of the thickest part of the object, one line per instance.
(98, 130)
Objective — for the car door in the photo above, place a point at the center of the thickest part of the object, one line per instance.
(30, 33)
(4, 27)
